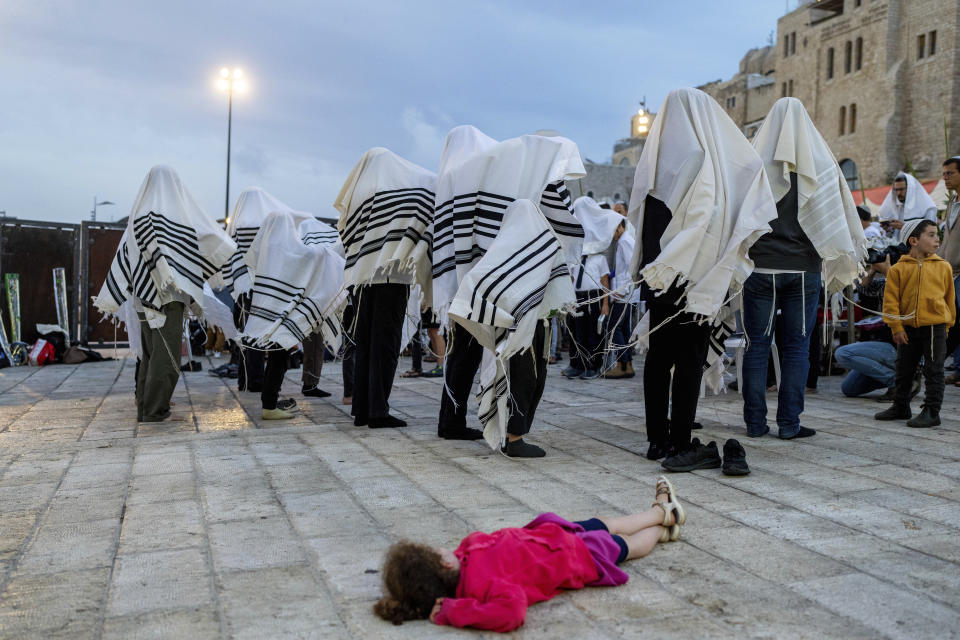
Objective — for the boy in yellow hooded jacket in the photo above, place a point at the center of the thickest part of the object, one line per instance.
(919, 307)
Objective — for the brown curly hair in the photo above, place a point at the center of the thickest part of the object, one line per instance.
(414, 576)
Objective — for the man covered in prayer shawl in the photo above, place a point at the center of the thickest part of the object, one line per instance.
(478, 178)
(591, 280)
(297, 276)
(817, 231)
(504, 302)
(314, 232)
(385, 207)
(699, 201)
(168, 251)
(907, 200)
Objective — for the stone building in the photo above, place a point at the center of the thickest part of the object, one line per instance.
(748, 96)
(610, 182)
(880, 78)
(626, 151)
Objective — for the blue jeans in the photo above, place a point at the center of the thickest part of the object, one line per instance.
(872, 366)
(795, 294)
(554, 336)
(619, 321)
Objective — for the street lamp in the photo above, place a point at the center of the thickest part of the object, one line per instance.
(230, 81)
(93, 212)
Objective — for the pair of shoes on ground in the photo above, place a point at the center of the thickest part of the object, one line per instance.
(285, 409)
(706, 456)
(927, 418)
(315, 392)
(673, 512)
(520, 449)
(572, 373)
(384, 422)
(620, 370)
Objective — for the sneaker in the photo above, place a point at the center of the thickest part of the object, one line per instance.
(894, 412)
(386, 422)
(696, 456)
(571, 373)
(656, 451)
(521, 449)
(275, 414)
(928, 418)
(589, 374)
(315, 392)
(802, 432)
(287, 404)
(734, 459)
(436, 372)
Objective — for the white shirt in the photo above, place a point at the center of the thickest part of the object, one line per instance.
(593, 269)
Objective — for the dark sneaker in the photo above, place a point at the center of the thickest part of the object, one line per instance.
(316, 392)
(386, 422)
(803, 432)
(521, 449)
(589, 374)
(928, 418)
(571, 373)
(461, 434)
(287, 404)
(696, 456)
(734, 459)
(656, 451)
(894, 412)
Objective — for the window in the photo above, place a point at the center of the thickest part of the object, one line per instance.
(856, 3)
(847, 56)
(931, 43)
(783, 90)
(921, 46)
(830, 54)
(786, 45)
(850, 173)
(793, 42)
(858, 54)
(853, 118)
(843, 120)
(790, 87)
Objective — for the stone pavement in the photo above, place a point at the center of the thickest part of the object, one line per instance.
(222, 526)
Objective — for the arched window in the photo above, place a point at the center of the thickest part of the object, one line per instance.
(853, 118)
(843, 120)
(830, 56)
(850, 173)
(858, 62)
(847, 57)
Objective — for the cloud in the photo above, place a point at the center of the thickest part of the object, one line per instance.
(427, 130)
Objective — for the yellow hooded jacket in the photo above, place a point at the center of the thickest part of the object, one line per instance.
(921, 288)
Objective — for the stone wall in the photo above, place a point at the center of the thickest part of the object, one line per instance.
(604, 181)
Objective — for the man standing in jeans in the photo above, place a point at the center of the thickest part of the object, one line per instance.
(817, 229)
(950, 245)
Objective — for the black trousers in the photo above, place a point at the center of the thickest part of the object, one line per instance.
(250, 374)
(528, 377)
(313, 351)
(930, 344)
(349, 348)
(272, 377)
(380, 309)
(461, 364)
(682, 344)
(585, 353)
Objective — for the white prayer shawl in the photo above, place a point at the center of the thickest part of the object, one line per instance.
(252, 208)
(297, 287)
(788, 142)
(478, 179)
(917, 206)
(385, 206)
(697, 162)
(169, 249)
(521, 278)
(598, 224)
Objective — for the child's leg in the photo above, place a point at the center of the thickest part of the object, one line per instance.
(934, 352)
(642, 542)
(908, 358)
(636, 522)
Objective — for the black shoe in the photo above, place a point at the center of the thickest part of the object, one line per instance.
(889, 396)
(315, 392)
(894, 412)
(928, 418)
(696, 425)
(696, 456)
(359, 421)
(804, 432)
(287, 404)
(386, 422)
(521, 449)
(734, 459)
(656, 451)
(461, 434)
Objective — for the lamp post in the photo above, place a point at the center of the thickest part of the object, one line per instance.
(93, 212)
(230, 81)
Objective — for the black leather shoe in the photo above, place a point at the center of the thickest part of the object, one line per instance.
(461, 434)
(386, 422)
(734, 459)
(928, 418)
(894, 412)
(521, 449)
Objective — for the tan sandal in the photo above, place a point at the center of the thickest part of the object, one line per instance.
(670, 534)
(672, 505)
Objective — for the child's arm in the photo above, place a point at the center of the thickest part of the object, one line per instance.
(891, 306)
(951, 298)
(503, 609)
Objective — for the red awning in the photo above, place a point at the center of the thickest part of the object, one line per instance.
(877, 194)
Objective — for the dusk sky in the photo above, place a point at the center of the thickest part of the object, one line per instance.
(94, 93)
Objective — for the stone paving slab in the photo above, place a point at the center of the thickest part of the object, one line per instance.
(226, 526)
